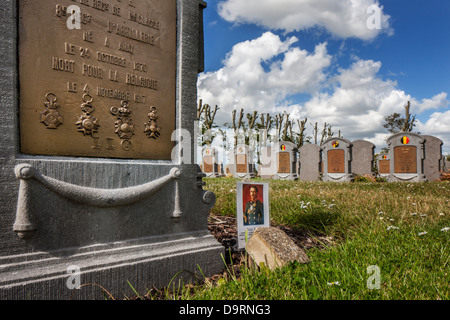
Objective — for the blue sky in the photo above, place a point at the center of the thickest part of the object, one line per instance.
(320, 60)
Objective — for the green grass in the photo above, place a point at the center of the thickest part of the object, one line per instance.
(395, 226)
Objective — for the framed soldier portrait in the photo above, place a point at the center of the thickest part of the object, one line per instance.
(252, 209)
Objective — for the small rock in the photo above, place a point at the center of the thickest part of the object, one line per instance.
(274, 248)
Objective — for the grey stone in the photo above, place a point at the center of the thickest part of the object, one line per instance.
(273, 247)
(118, 221)
(433, 163)
(309, 162)
(265, 170)
(406, 165)
(363, 153)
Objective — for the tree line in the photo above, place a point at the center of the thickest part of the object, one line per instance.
(245, 124)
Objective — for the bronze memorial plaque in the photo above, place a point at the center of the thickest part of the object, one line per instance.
(405, 159)
(241, 163)
(98, 78)
(384, 166)
(208, 164)
(284, 160)
(336, 161)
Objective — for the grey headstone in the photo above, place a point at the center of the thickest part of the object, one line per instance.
(241, 162)
(406, 152)
(210, 162)
(433, 163)
(337, 160)
(363, 153)
(116, 222)
(265, 170)
(309, 162)
(383, 164)
(285, 161)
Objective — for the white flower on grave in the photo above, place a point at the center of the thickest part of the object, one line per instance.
(413, 204)
(445, 229)
(422, 215)
(414, 214)
(336, 283)
(381, 218)
(381, 212)
(422, 233)
(441, 214)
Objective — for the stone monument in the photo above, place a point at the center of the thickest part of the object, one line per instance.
(337, 160)
(210, 162)
(309, 162)
(433, 163)
(265, 170)
(241, 163)
(99, 187)
(383, 165)
(363, 153)
(286, 161)
(406, 152)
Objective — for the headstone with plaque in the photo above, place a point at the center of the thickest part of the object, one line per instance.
(337, 160)
(99, 186)
(210, 162)
(433, 164)
(406, 152)
(309, 162)
(286, 161)
(383, 164)
(363, 153)
(241, 163)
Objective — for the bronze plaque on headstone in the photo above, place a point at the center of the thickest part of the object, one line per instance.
(208, 164)
(405, 159)
(241, 163)
(336, 161)
(284, 162)
(97, 78)
(384, 166)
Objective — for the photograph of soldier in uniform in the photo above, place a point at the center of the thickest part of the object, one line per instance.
(254, 207)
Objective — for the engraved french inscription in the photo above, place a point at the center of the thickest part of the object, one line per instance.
(208, 164)
(284, 162)
(384, 166)
(241, 163)
(336, 161)
(405, 159)
(97, 54)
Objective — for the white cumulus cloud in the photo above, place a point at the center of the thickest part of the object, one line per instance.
(363, 19)
(260, 74)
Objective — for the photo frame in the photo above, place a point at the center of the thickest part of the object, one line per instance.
(252, 209)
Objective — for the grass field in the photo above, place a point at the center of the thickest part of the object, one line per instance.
(398, 231)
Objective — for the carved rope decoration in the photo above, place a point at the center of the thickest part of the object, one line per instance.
(101, 198)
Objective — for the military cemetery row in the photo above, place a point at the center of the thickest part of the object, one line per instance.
(410, 157)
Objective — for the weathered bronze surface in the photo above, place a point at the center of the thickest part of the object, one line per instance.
(336, 161)
(97, 79)
(284, 162)
(405, 159)
(208, 164)
(384, 166)
(241, 163)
